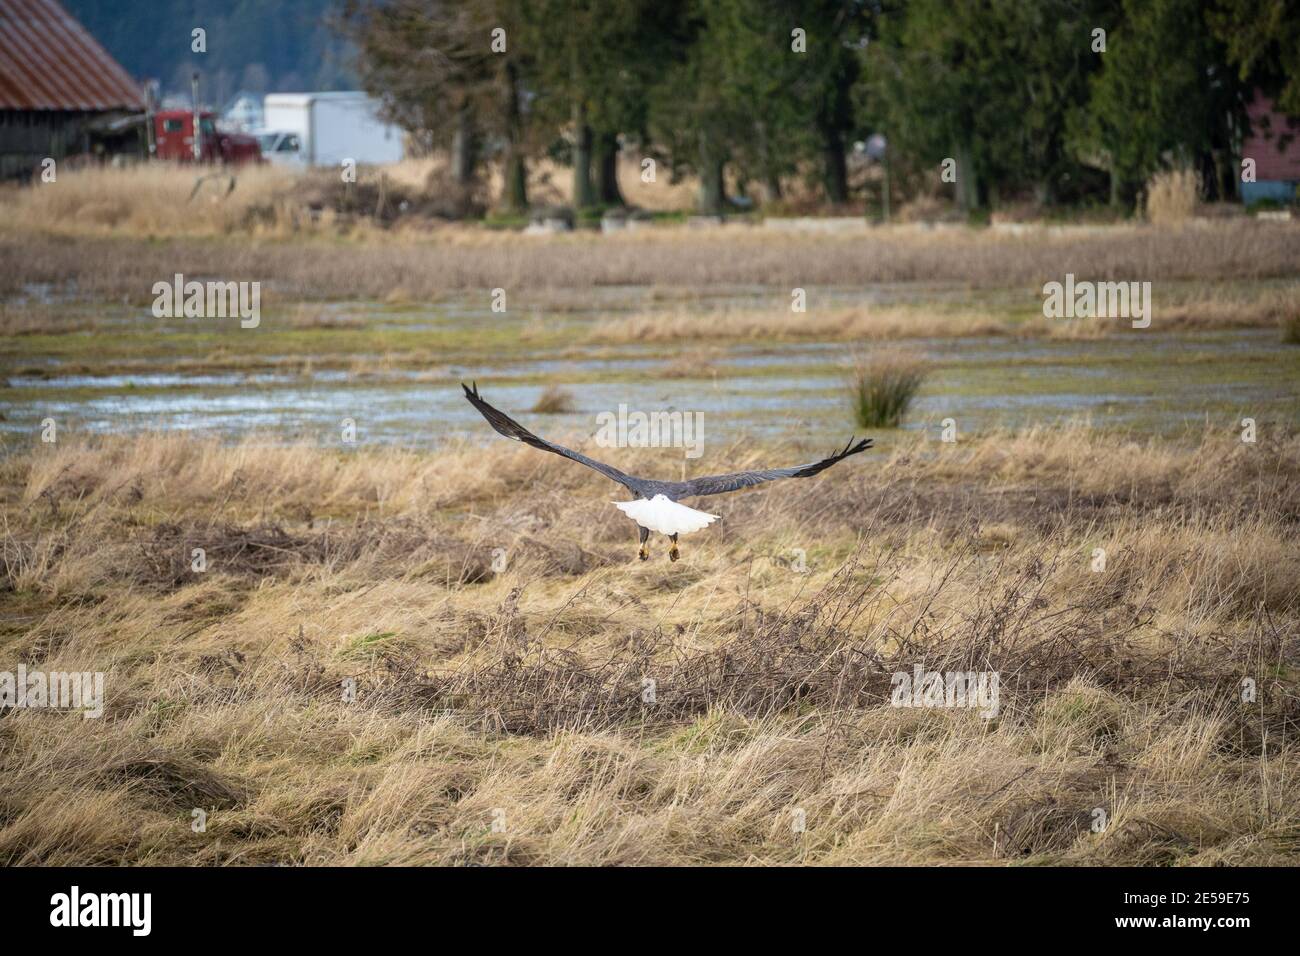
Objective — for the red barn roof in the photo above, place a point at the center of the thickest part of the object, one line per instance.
(48, 61)
(1273, 143)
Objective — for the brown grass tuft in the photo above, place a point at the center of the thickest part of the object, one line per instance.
(883, 384)
(1172, 196)
(554, 401)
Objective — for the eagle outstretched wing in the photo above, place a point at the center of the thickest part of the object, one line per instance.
(720, 484)
(507, 426)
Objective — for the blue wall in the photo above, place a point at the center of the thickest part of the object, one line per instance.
(1279, 190)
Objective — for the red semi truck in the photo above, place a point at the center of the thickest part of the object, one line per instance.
(173, 136)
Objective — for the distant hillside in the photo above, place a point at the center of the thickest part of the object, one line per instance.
(258, 45)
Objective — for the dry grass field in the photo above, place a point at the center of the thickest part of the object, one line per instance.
(435, 646)
(103, 231)
(397, 266)
(499, 714)
(164, 200)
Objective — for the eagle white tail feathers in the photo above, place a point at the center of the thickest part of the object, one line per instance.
(664, 515)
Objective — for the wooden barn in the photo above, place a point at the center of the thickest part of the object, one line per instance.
(61, 94)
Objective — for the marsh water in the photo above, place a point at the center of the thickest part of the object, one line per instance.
(394, 372)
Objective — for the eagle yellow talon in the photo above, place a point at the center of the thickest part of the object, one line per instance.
(673, 555)
(644, 553)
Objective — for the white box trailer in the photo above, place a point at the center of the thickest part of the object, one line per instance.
(331, 127)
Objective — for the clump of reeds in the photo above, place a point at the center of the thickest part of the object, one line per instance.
(554, 401)
(1290, 325)
(883, 385)
(690, 365)
(1172, 196)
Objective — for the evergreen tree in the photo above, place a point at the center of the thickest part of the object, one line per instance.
(1164, 96)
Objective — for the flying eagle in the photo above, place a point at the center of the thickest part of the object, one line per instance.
(656, 507)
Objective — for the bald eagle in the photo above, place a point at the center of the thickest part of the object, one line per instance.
(655, 504)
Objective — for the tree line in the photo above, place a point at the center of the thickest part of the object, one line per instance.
(1058, 101)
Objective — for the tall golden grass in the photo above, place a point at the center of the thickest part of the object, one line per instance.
(839, 322)
(550, 184)
(166, 199)
(512, 693)
(678, 262)
(144, 200)
(1172, 196)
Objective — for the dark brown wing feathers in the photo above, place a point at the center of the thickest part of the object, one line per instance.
(708, 485)
(719, 484)
(507, 426)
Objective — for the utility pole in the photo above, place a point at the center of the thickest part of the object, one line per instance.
(150, 107)
(194, 98)
(884, 199)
